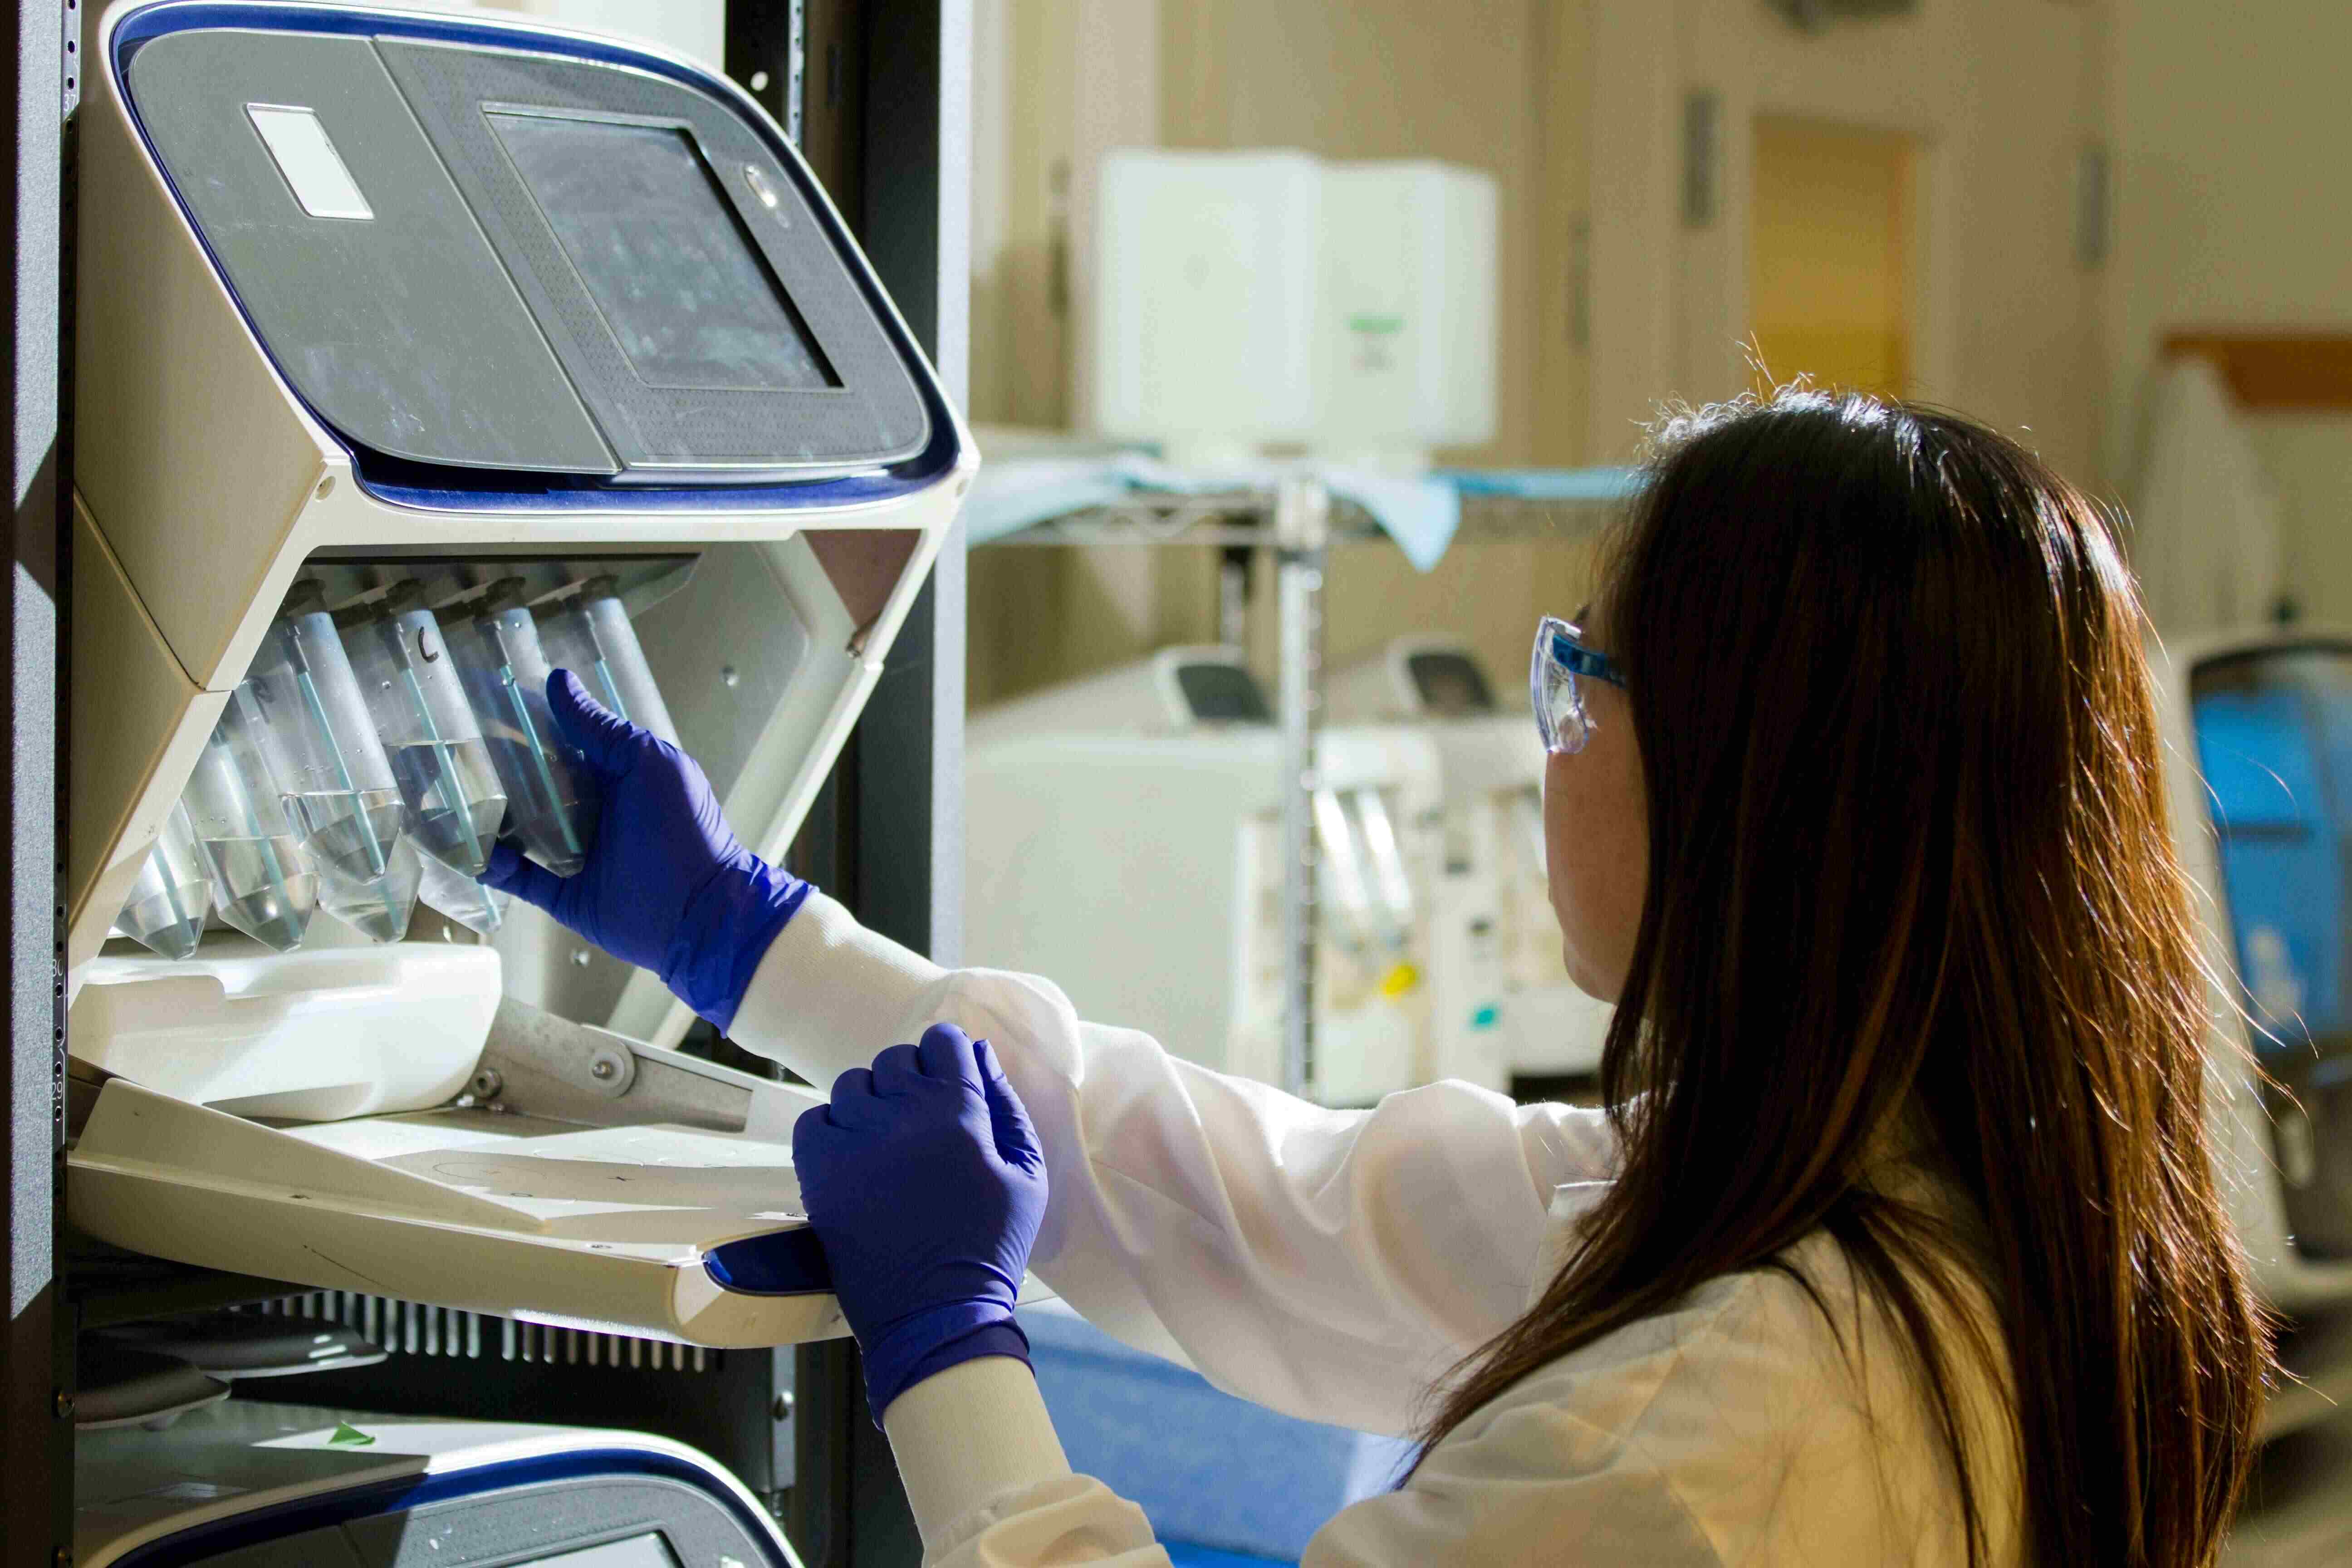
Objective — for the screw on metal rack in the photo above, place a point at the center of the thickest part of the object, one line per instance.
(488, 1083)
(783, 1409)
(64, 1404)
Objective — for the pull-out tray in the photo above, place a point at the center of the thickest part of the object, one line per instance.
(583, 1181)
(663, 1231)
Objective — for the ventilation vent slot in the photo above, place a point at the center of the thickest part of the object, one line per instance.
(412, 1328)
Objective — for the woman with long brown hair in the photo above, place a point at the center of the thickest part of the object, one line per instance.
(1898, 1239)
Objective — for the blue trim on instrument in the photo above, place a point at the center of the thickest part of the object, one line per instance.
(274, 1523)
(427, 487)
(780, 1263)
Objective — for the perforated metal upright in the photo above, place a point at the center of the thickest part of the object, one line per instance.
(37, 1375)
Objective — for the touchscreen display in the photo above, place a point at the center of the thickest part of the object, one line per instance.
(1451, 685)
(1223, 693)
(664, 255)
(646, 1550)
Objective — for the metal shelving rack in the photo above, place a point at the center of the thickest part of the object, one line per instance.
(1297, 518)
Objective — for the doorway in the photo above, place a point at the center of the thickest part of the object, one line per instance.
(1831, 251)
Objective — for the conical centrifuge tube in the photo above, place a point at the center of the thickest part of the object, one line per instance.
(166, 911)
(547, 811)
(462, 899)
(378, 908)
(453, 802)
(340, 796)
(263, 882)
(590, 634)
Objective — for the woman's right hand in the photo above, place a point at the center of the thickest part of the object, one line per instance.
(667, 885)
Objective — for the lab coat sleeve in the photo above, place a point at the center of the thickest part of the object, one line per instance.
(1531, 1485)
(1328, 1263)
(989, 1484)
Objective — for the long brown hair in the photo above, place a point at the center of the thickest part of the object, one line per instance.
(1910, 874)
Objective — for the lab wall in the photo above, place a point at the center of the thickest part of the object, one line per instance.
(1499, 85)
(2233, 210)
(1619, 285)
(693, 27)
(2000, 99)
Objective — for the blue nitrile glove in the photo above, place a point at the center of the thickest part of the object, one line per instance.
(924, 1181)
(667, 885)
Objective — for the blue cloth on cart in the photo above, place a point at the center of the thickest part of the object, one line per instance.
(1210, 1470)
(1545, 484)
(1420, 514)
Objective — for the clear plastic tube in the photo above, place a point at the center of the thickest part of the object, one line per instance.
(166, 910)
(550, 814)
(462, 899)
(452, 801)
(1343, 871)
(590, 634)
(1389, 874)
(380, 906)
(263, 882)
(339, 791)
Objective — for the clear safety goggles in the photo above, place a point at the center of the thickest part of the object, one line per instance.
(1555, 675)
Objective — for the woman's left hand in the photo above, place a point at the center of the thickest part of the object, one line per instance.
(924, 1181)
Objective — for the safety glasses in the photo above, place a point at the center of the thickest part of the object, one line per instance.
(1561, 662)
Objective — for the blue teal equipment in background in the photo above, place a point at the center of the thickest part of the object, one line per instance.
(2275, 743)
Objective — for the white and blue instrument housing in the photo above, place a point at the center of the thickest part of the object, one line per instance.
(364, 282)
(2259, 725)
(378, 301)
(252, 1485)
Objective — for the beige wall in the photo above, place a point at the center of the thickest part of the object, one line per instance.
(2234, 209)
(1464, 82)
(2001, 95)
(1493, 84)
(695, 28)
(1575, 106)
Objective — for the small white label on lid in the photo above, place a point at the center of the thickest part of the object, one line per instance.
(314, 172)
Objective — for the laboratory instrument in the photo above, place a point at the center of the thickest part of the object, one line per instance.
(437, 323)
(1266, 298)
(1124, 839)
(246, 1483)
(2260, 726)
(1508, 1015)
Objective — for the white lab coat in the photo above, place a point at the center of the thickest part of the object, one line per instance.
(1331, 1265)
